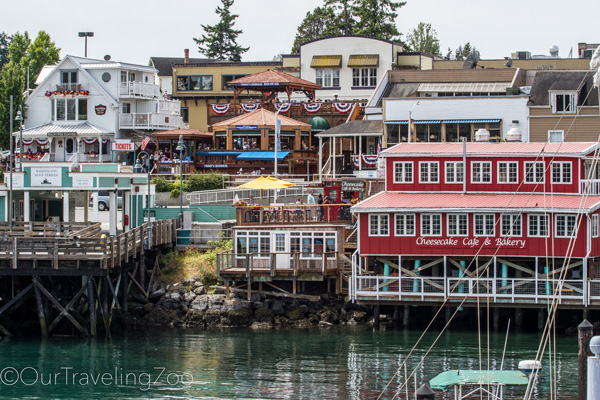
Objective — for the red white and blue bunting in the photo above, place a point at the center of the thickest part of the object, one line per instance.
(89, 141)
(220, 108)
(249, 107)
(343, 107)
(26, 142)
(313, 107)
(283, 107)
(370, 161)
(356, 161)
(42, 142)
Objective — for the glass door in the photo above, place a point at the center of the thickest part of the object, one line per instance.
(281, 249)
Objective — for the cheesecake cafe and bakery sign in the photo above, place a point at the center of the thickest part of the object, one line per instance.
(472, 242)
(122, 145)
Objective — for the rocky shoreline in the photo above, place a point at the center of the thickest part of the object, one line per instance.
(189, 305)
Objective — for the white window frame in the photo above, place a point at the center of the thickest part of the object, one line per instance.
(512, 227)
(570, 109)
(454, 175)
(509, 168)
(126, 105)
(453, 228)
(402, 165)
(555, 132)
(364, 77)
(562, 179)
(428, 164)
(538, 218)
(481, 175)
(534, 172)
(376, 229)
(567, 232)
(595, 223)
(485, 222)
(66, 101)
(404, 223)
(327, 77)
(427, 228)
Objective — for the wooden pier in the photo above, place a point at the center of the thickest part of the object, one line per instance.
(70, 271)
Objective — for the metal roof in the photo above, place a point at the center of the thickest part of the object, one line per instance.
(367, 60)
(574, 149)
(326, 62)
(85, 129)
(469, 87)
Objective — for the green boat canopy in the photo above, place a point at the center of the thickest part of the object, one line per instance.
(476, 377)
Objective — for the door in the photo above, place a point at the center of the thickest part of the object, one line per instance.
(70, 148)
(281, 249)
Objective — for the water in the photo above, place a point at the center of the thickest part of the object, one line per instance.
(335, 363)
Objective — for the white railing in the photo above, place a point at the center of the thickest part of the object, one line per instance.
(139, 89)
(589, 186)
(150, 121)
(221, 196)
(169, 106)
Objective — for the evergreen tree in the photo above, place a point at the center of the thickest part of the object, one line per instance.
(5, 40)
(424, 39)
(345, 22)
(317, 24)
(17, 49)
(377, 18)
(219, 41)
(12, 82)
(462, 52)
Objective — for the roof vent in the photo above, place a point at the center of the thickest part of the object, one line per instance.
(513, 135)
(482, 135)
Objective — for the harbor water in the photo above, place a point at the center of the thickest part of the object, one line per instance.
(340, 362)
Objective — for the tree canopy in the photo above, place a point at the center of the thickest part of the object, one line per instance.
(377, 18)
(220, 40)
(424, 39)
(462, 51)
(5, 40)
(317, 24)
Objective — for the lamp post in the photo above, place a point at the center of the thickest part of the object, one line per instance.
(86, 35)
(10, 164)
(19, 118)
(181, 149)
(138, 166)
(277, 148)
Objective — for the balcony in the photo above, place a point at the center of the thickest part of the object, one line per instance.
(139, 90)
(590, 186)
(67, 87)
(294, 214)
(150, 121)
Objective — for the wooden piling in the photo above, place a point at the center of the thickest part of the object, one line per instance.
(91, 305)
(41, 313)
(376, 317)
(586, 331)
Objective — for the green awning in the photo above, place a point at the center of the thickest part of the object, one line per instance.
(319, 124)
(476, 377)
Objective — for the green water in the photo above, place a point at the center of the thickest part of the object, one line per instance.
(335, 363)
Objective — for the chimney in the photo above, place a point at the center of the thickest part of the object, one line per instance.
(186, 56)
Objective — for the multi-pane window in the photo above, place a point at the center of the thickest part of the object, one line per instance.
(257, 243)
(126, 108)
(484, 224)
(379, 225)
(564, 102)
(364, 77)
(69, 109)
(328, 77)
(511, 225)
(508, 172)
(405, 224)
(458, 224)
(556, 136)
(481, 172)
(429, 172)
(454, 172)
(403, 172)
(225, 79)
(538, 225)
(565, 225)
(534, 172)
(595, 220)
(561, 172)
(431, 224)
(194, 83)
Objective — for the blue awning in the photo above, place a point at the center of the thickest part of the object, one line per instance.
(428, 122)
(392, 122)
(262, 155)
(469, 121)
(218, 153)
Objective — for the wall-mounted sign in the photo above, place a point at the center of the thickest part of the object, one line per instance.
(214, 165)
(100, 109)
(472, 242)
(123, 146)
(83, 182)
(46, 177)
(353, 186)
(61, 134)
(246, 127)
(17, 180)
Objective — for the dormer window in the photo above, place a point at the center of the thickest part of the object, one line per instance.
(563, 102)
(68, 80)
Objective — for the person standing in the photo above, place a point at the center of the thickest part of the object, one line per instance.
(310, 199)
(320, 202)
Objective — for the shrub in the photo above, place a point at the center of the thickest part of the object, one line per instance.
(175, 193)
(197, 182)
(162, 185)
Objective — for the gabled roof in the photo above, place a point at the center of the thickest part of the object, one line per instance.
(355, 128)
(187, 134)
(272, 78)
(84, 129)
(511, 149)
(546, 81)
(164, 65)
(261, 117)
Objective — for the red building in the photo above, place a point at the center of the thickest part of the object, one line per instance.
(504, 222)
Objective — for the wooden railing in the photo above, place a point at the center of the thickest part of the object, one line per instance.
(273, 264)
(49, 229)
(294, 214)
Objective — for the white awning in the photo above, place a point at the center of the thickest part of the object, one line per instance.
(472, 87)
(50, 130)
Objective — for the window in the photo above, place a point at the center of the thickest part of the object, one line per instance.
(126, 108)
(123, 76)
(538, 225)
(431, 224)
(565, 226)
(564, 102)
(508, 172)
(556, 136)
(511, 225)
(534, 172)
(405, 224)
(484, 225)
(69, 109)
(328, 77)
(454, 172)
(379, 225)
(185, 115)
(195, 83)
(225, 79)
(429, 172)
(403, 172)
(595, 220)
(257, 243)
(458, 225)
(481, 172)
(561, 172)
(312, 244)
(364, 77)
(69, 80)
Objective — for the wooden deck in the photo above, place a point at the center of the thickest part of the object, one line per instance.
(292, 214)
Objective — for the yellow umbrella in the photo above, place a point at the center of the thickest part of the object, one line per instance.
(266, 183)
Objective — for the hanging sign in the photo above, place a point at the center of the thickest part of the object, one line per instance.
(100, 109)
(353, 186)
(246, 127)
(123, 146)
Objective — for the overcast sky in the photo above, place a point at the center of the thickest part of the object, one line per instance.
(135, 30)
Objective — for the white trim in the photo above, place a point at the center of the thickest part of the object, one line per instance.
(534, 171)
(379, 217)
(562, 180)
(431, 215)
(562, 135)
(486, 216)
(457, 233)
(566, 217)
(508, 181)
(512, 224)
(595, 225)
(404, 163)
(538, 216)
(414, 223)
(456, 164)
(437, 163)
(481, 173)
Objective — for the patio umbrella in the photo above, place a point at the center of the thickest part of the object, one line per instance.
(263, 183)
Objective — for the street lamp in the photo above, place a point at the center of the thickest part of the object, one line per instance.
(11, 166)
(181, 149)
(86, 35)
(138, 167)
(19, 118)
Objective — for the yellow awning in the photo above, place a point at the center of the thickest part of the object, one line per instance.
(326, 62)
(366, 60)
(266, 183)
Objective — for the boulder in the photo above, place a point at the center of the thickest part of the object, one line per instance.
(263, 315)
(277, 308)
(157, 294)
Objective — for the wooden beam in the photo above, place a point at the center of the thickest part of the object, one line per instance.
(410, 273)
(91, 305)
(68, 308)
(59, 306)
(41, 313)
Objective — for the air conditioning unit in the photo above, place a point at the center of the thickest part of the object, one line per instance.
(523, 55)
(587, 54)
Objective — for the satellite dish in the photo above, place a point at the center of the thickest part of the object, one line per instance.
(471, 60)
(508, 63)
(107, 57)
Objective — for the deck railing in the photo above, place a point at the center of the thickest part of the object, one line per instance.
(139, 89)
(294, 214)
(589, 186)
(150, 121)
(273, 264)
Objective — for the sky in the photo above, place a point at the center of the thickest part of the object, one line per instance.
(135, 30)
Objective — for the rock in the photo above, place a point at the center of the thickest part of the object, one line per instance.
(324, 297)
(277, 308)
(296, 314)
(241, 317)
(188, 283)
(257, 304)
(325, 323)
(148, 307)
(198, 284)
(255, 297)
(261, 325)
(198, 290)
(263, 315)
(189, 296)
(357, 315)
(157, 294)
(236, 305)
(173, 295)
(200, 303)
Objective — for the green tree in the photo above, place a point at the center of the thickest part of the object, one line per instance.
(5, 40)
(17, 49)
(424, 39)
(43, 51)
(220, 40)
(12, 82)
(377, 18)
(462, 52)
(345, 22)
(321, 22)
